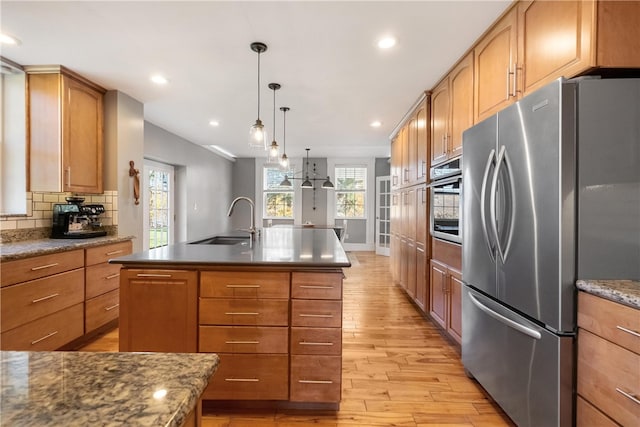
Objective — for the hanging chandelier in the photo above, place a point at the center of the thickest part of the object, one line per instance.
(307, 181)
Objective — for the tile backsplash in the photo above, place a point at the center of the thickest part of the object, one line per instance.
(36, 224)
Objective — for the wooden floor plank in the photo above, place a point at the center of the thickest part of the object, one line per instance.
(398, 370)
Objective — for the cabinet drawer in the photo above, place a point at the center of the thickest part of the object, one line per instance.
(615, 322)
(587, 415)
(101, 310)
(243, 339)
(250, 377)
(47, 333)
(31, 300)
(232, 284)
(266, 312)
(605, 373)
(104, 253)
(316, 285)
(316, 378)
(101, 278)
(323, 314)
(40, 266)
(327, 341)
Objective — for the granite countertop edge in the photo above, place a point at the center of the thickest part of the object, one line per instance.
(625, 292)
(30, 248)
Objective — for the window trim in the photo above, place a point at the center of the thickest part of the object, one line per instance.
(365, 191)
(260, 164)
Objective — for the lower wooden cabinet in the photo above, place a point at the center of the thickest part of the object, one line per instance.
(445, 291)
(316, 378)
(158, 310)
(102, 310)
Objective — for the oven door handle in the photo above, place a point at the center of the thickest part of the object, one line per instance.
(445, 181)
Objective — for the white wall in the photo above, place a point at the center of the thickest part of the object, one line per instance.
(203, 185)
(124, 141)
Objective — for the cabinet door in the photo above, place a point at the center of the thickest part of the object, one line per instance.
(454, 321)
(82, 150)
(412, 150)
(461, 88)
(396, 162)
(439, 122)
(569, 52)
(422, 140)
(404, 144)
(158, 310)
(422, 205)
(437, 295)
(421, 278)
(495, 61)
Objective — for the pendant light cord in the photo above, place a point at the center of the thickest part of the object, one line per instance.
(259, 85)
(274, 113)
(284, 132)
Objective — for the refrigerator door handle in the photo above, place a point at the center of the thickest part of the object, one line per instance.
(512, 213)
(483, 198)
(502, 319)
(492, 202)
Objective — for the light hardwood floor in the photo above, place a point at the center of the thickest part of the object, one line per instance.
(397, 369)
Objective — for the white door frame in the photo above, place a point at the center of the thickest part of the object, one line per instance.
(383, 249)
(170, 169)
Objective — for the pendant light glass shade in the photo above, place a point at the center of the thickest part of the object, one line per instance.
(257, 133)
(284, 160)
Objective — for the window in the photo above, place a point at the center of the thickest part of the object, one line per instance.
(350, 193)
(277, 200)
(158, 204)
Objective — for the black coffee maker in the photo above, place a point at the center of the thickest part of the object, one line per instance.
(74, 220)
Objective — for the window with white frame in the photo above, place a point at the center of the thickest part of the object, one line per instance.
(277, 201)
(351, 191)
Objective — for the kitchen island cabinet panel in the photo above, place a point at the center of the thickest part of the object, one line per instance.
(158, 310)
(312, 285)
(242, 311)
(250, 377)
(316, 378)
(327, 341)
(46, 333)
(243, 339)
(235, 284)
(316, 313)
(31, 300)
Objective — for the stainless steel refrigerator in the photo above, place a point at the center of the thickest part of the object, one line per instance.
(551, 193)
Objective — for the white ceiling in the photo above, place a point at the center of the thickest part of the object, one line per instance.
(334, 78)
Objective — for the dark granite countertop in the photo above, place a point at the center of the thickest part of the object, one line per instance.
(30, 248)
(625, 292)
(107, 389)
(279, 247)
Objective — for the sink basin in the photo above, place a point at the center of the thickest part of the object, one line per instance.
(223, 240)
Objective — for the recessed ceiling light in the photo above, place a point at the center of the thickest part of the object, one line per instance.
(7, 39)
(159, 80)
(386, 42)
(214, 123)
(376, 124)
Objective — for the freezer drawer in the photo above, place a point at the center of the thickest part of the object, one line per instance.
(527, 370)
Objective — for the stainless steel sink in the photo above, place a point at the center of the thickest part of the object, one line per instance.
(223, 240)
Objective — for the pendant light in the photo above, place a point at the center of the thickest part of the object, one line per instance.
(274, 152)
(284, 160)
(307, 183)
(257, 133)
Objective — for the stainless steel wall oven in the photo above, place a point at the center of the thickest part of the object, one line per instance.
(446, 201)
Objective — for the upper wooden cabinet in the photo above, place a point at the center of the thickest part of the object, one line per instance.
(495, 58)
(409, 147)
(422, 140)
(65, 125)
(452, 111)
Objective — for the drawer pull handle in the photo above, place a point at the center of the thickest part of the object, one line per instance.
(315, 382)
(44, 298)
(317, 315)
(115, 252)
(242, 380)
(240, 313)
(44, 266)
(152, 275)
(629, 396)
(242, 342)
(629, 331)
(112, 307)
(242, 286)
(44, 338)
(113, 276)
(315, 343)
(315, 287)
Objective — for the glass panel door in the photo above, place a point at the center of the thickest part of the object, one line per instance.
(158, 205)
(383, 211)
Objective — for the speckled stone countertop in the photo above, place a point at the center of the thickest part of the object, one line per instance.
(29, 248)
(103, 389)
(625, 292)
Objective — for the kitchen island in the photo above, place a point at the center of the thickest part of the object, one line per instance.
(271, 308)
(114, 389)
